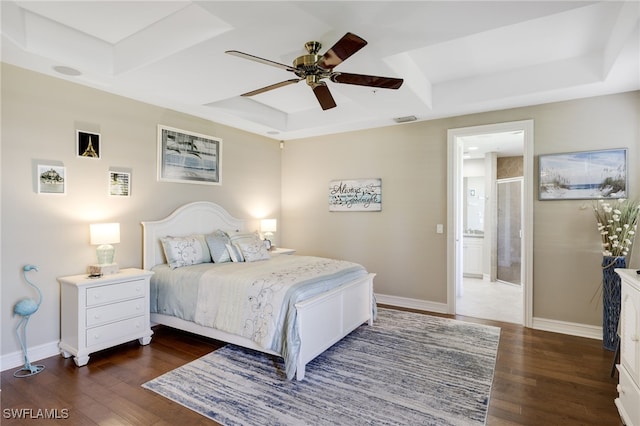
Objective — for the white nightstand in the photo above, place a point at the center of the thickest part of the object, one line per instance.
(103, 312)
(281, 250)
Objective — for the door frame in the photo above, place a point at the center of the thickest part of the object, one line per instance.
(455, 209)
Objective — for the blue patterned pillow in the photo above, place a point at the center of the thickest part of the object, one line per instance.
(184, 251)
(217, 242)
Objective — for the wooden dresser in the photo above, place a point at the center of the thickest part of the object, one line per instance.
(628, 401)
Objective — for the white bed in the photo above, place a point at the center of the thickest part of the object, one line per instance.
(322, 320)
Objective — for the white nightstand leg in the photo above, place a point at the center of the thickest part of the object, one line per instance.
(144, 340)
(65, 354)
(81, 360)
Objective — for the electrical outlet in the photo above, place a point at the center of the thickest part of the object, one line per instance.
(439, 228)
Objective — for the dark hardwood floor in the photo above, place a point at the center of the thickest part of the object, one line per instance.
(541, 378)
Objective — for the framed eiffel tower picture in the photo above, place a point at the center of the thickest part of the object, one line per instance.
(88, 144)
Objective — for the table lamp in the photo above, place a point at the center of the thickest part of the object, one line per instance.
(103, 235)
(268, 227)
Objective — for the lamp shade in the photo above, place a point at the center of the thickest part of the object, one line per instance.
(104, 233)
(268, 225)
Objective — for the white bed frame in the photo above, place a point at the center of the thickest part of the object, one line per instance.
(322, 320)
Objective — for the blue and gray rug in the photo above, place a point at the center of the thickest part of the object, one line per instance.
(406, 369)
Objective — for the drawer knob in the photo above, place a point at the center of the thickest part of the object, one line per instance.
(96, 336)
(96, 296)
(96, 316)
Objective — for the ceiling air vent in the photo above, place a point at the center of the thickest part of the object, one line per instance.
(405, 119)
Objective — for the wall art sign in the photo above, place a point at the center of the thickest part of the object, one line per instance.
(119, 183)
(51, 179)
(583, 175)
(87, 144)
(188, 157)
(355, 195)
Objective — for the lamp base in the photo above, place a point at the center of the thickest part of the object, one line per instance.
(106, 269)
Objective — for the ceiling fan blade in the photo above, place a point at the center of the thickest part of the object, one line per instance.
(324, 96)
(344, 48)
(271, 87)
(367, 80)
(261, 60)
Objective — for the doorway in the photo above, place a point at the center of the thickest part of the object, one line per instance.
(455, 224)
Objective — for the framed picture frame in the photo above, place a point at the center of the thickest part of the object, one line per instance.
(355, 195)
(119, 183)
(584, 175)
(188, 157)
(52, 179)
(87, 144)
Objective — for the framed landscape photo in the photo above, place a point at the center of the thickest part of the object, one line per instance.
(188, 157)
(119, 184)
(52, 179)
(87, 144)
(583, 175)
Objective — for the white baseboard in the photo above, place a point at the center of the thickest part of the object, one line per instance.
(570, 328)
(404, 302)
(36, 353)
(563, 327)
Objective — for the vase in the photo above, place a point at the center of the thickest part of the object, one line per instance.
(611, 300)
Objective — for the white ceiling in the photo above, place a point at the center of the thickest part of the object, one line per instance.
(456, 57)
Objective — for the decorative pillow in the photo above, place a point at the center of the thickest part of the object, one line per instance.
(253, 250)
(217, 242)
(234, 253)
(237, 238)
(184, 251)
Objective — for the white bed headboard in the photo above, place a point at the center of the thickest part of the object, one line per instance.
(200, 217)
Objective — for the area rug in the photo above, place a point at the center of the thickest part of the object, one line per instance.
(406, 369)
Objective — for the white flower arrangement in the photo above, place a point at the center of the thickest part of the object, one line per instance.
(617, 225)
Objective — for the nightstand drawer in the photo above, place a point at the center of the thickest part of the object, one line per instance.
(115, 292)
(628, 397)
(115, 312)
(117, 330)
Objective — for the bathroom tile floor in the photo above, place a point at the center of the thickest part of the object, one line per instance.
(490, 300)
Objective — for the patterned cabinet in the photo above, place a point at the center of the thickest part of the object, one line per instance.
(100, 313)
(628, 401)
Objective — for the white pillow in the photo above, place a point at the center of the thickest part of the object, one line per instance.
(253, 250)
(184, 251)
(238, 240)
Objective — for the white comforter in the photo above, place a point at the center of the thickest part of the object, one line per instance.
(256, 300)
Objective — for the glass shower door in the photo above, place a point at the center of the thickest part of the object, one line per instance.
(509, 230)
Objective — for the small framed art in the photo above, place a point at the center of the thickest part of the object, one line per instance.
(52, 179)
(119, 183)
(355, 195)
(88, 144)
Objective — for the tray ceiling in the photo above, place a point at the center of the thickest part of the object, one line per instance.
(456, 57)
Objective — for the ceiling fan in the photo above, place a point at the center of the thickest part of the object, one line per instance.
(313, 67)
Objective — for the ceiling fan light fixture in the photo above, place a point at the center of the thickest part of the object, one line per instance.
(405, 119)
(314, 67)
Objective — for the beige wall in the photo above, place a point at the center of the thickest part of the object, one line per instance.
(39, 120)
(40, 116)
(400, 243)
